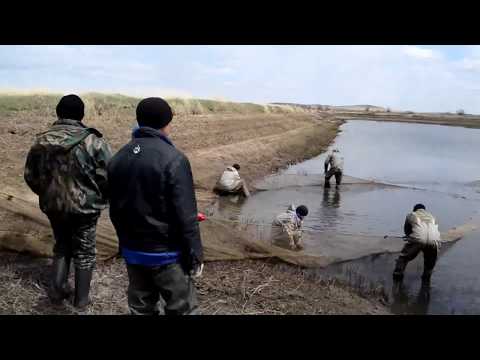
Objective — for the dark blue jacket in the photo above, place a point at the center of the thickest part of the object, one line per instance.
(152, 198)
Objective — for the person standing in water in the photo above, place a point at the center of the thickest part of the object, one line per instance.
(422, 234)
(335, 161)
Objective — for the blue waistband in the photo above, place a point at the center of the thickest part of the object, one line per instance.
(150, 259)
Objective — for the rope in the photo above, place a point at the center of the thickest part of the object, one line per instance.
(310, 229)
(367, 182)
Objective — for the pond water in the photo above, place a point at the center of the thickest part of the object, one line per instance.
(433, 165)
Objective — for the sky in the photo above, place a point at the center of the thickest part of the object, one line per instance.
(402, 77)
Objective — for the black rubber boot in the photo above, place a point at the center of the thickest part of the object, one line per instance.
(426, 276)
(83, 277)
(59, 288)
(397, 276)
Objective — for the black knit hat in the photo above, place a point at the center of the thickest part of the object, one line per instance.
(418, 207)
(154, 112)
(71, 107)
(302, 211)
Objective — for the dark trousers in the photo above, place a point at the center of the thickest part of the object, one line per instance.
(333, 172)
(161, 289)
(75, 238)
(410, 252)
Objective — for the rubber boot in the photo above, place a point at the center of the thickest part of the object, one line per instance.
(83, 277)
(59, 288)
(397, 275)
(426, 276)
(327, 183)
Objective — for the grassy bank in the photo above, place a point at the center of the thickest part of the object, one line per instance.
(98, 104)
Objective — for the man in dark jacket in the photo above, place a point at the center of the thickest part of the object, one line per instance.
(66, 168)
(154, 211)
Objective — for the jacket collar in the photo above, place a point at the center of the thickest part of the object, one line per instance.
(148, 132)
(69, 122)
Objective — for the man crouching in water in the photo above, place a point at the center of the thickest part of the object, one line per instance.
(231, 183)
(288, 226)
(422, 234)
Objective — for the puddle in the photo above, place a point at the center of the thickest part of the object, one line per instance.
(435, 165)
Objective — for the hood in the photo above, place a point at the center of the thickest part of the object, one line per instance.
(292, 209)
(65, 134)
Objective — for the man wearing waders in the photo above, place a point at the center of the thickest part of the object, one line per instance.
(67, 168)
(231, 183)
(335, 160)
(287, 227)
(154, 211)
(422, 234)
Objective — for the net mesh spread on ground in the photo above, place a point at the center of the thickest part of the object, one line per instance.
(27, 229)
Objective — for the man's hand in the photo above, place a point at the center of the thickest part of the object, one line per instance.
(197, 271)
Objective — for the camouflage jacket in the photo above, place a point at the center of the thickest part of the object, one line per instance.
(66, 168)
(287, 226)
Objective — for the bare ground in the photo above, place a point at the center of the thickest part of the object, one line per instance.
(248, 287)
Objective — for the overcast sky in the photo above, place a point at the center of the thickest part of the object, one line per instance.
(417, 78)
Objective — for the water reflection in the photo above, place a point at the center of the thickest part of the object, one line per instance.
(331, 200)
(404, 303)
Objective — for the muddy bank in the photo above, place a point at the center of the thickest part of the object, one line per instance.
(468, 121)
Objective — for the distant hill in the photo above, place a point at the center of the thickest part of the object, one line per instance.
(336, 107)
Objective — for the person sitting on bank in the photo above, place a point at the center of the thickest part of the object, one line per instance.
(231, 183)
(335, 160)
(287, 227)
(422, 234)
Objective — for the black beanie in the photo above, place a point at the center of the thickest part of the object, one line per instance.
(71, 107)
(418, 207)
(302, 211)
(154, 112)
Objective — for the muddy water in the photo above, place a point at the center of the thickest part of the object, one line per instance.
(435, 165)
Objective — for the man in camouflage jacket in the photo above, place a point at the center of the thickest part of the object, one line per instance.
(66, 168)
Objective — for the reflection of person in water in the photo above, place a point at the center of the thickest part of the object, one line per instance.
(328, 212)
(331, 201)
(401, 304)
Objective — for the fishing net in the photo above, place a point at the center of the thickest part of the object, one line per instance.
(280, 181)
(26, 229)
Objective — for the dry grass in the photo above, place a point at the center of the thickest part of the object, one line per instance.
(229, 288)
(98, 103)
